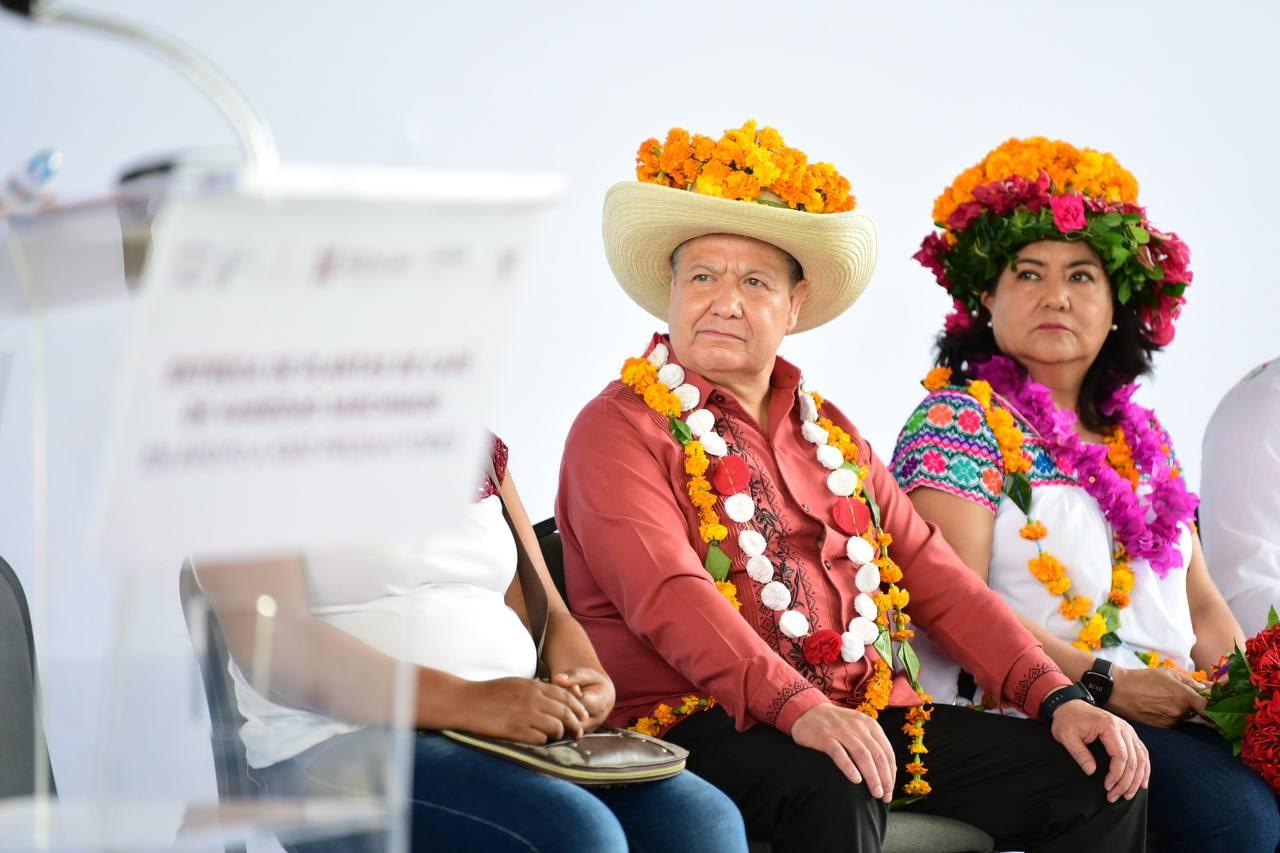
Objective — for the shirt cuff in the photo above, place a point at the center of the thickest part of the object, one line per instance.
(1039, 676)
(796, 706)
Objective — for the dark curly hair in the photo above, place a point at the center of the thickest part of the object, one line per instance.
(1125, 356)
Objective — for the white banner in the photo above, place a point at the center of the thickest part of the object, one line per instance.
(306, 371)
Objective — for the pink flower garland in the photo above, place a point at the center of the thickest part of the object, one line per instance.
(1146, 527)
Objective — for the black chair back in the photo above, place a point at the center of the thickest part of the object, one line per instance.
(552, 552)
(21, 731)
(229, 762)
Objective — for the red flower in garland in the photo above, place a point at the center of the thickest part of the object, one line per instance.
(1255, 646)
(822, 647)
(1261, 746)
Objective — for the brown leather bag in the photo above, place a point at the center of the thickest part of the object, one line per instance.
(604, 757)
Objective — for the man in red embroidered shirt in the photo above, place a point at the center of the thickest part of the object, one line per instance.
(744, 564)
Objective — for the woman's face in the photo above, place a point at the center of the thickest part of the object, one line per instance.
(1054, 308)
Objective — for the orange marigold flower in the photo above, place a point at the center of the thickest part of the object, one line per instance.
(664, 715)
(884, 539)
(915, 768)
(647, 726)
(730, 592)
(939, 377)
(639, 373)
(913, 730)
(818, 398)
(916, 788)
(920, 713)
(1076, 608)
(899, 636)
(1033, 530)
(1059, 586)
(695, 459)
(1119, 599)
(661, 400)
(890, 572)
(689, 704)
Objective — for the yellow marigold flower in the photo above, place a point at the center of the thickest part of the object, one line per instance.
(981, 391)
(939, 377)
(664, 715)
(729, 591)
(1091, 633)
(639, 373)
(890, 572)
(1033, 530)
(1084, 647)
(647, 726)
(695, 459)
(899, 636)
(689, 704)
(899, 597)
(818, 398)
(917, 748)
(713, 532)
(916, 788)
(1077, 608)
(884, 603)
(915, 768)
(884, 539)
(1121, 578)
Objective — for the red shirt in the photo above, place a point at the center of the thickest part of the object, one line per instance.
(634, 568)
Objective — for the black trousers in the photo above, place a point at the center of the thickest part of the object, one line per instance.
(1004, 775)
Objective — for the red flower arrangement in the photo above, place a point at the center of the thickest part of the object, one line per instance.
(1245, 702)
(822, 647)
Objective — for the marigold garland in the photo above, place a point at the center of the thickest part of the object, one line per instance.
(665, 715)
(1048, 569)
(1154, 661)
(745, 164)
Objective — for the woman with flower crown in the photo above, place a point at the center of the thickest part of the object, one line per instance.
(1060, 491)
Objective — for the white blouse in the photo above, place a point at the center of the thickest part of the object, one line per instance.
(436, 602)
(1158, 618)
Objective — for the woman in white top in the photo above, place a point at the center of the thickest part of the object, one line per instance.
(1055, 487)
(451, 607)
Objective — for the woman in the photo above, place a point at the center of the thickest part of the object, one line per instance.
(1055, 487)
(453, 608)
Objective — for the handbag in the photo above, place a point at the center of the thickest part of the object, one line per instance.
(605, 757)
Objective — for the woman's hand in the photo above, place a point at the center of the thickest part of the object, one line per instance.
(593, 687)
(1158, 697)
(520, 709)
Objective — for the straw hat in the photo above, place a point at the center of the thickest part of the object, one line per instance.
(645, 221)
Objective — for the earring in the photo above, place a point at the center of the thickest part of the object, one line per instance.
(989, 326)
(974, 313)
(1114, 327)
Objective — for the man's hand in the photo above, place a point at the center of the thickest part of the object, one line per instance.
(1158, 697)
(854, 741)
(593, 687)
(1077, 723)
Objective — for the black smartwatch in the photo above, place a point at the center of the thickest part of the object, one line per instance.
(1060, 697)
(1098, 681)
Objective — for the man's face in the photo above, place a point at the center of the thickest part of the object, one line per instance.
(732, 302)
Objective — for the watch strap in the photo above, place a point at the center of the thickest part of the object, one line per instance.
(1060, 697)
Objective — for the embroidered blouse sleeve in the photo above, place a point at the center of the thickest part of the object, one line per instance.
(947, 445)
(620, 521)
(959, 613)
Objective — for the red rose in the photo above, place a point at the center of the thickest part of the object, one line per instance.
(1068, 212)
(1268, 638)
(822, 647)
(1261, 746)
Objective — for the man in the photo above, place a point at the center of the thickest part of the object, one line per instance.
(1240, 496)
(664, 544)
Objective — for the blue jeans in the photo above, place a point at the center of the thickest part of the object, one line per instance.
(1203, 798)
(465, 800)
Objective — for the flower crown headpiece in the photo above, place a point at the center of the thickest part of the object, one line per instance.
(1040, 189)
(745, 164)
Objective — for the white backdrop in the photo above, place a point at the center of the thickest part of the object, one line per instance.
(900, 96)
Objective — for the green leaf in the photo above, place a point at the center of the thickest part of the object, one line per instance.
(1145, 657)
(872, 505)
(680, 430)
(1110, 641)
(1273, 618)
(850, 466)
(1230, 715)
(910, 663)
(884, 646)
(717, 562)
(899, 802)
(1140, 235)
(1018, 488)
(1124, 291)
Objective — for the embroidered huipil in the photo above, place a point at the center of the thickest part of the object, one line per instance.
(635, 577)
